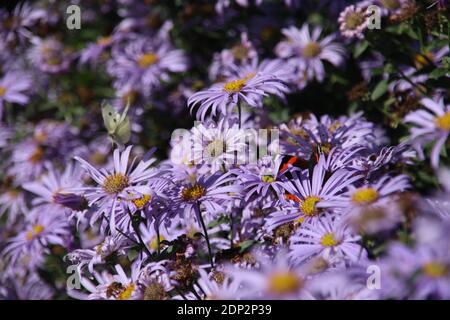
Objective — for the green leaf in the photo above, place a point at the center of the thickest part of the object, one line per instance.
(360, 48)
(446, 62)
(379, 90)
(132, 254)
(245, 245)
(437, 73)
(219, 221)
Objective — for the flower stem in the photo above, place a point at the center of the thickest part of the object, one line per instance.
(205, 234)
(136, 230)
(239, 114)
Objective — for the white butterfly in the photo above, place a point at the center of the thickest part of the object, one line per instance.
(117, 125)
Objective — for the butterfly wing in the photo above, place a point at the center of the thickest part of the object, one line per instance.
(110, 117)
(123, 132)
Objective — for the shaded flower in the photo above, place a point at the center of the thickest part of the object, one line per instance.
(40, 232)
(49, 55)
(305, 51)
(430, 125)
(14, 87)
(328, 237)
(353, 21)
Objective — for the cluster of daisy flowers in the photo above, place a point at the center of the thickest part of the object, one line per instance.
(314, 206)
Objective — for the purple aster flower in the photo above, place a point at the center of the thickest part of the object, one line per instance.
(50, 56)
(307, 137)
(306, 51)
(353, 21)
(13, 89)
(145, 63)
(114, 185)
(374, 207)
(434, 264)
(218, 145)
(327, 237)
(14, 26)
(224, 62)
(275, 278)
(40, 232)
(155, 281)
(52, 186)
(372, 164)
(96, 52)
(111, 245)
(420, 272)
(30, 287)
(264, 179)
(338, 286)
(430, 125)
(149, 234)
(270, 67)
(246, 88)
(217, 286)
(191, 226)
(27, 159)
(108, 286)
(205, 192)
(12, 203)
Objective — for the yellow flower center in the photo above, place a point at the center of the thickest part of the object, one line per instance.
(120, 292)
(216, 148)
(115, 183)
(308, 205)
(239, 52)
(435, 269)
(104, 41)
(299, 220)
(13, 193)
(354, 20)
(126, 294)
(311, 50)
(336, 125)
(193, 193)
(147, 60)
(2, 91)
(328, 240)
(154, 243)
(142, 201)
(155, 291)
(391, 4)
(443, 122)
(267, 178)
(237, 85)
(284, 283)
(37, 155)
(40, 137)
(365, 195)
(35, 231)
(324, 147)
